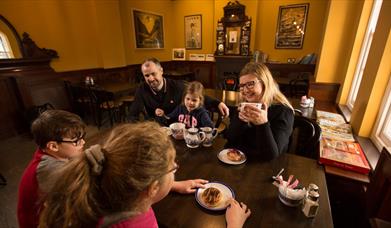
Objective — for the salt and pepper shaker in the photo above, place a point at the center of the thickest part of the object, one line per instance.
(307, 102)
(311, 204)
(313, 187)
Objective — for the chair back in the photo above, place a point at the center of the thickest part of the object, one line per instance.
(378, 194)
(304, 140)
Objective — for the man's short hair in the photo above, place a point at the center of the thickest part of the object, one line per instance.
(152, 59)
(54, 125)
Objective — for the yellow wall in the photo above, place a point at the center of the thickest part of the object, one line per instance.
(66, 26)
(267, 27)
(100, 33)
(338, 40)
(193, 7)
(109, 34)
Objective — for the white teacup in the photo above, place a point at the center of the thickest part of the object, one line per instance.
(243, 104)
(177, 130)
(210, 134)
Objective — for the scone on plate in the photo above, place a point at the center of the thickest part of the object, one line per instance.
(234, 155)
(211, 196)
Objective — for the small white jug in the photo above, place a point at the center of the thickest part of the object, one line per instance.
(210, 134)
(193, 138)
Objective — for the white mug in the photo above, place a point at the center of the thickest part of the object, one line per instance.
(243, 104)
(177, 130)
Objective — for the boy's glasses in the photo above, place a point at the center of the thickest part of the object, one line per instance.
(248, 85)
(76, 142)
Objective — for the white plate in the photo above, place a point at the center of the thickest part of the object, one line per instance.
(226, 191)
(222, 156)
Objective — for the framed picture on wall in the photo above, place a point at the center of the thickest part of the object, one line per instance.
(148, 29)
(193, 31)
(291, 25)
(178, 54)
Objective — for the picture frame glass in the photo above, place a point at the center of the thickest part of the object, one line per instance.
(148, 30)
(179, 54)
(232, 45)
(291, 25)
(193, 32)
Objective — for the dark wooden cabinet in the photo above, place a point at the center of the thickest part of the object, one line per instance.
(233, 31)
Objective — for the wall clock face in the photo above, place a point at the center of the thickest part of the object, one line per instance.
(221, 47)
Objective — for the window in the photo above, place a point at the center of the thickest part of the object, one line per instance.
(5, 48)
(366, 45)
(381, 134)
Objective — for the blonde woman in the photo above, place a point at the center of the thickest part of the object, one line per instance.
(261, 131)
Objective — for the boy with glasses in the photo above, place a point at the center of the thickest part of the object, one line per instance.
(59, 136)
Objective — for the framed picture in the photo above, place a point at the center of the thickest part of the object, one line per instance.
(148, 29)
(193, 32)
(291, 26)
(178, 54)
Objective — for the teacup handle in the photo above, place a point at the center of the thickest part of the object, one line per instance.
(202, 136)
(214, 133)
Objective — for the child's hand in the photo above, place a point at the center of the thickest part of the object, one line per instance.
(236, 214)
(188, 186)
(159, 112)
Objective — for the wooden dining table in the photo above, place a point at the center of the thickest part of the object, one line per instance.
(251, 183)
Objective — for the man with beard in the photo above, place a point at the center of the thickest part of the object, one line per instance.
(163, 93)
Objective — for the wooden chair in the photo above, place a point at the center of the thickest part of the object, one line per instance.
(378, 195)
(217, 119)
(80, 100)
(304, 140)
(104, 104)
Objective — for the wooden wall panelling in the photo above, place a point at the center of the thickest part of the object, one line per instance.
(324, 91)
(41, 89)
(10, 112)
(204, 70)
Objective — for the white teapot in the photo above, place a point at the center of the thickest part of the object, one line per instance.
(210, 134)
(193, 138)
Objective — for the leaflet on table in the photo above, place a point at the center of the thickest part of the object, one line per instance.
(329, 117)
(351, 147)
(356, 162)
